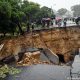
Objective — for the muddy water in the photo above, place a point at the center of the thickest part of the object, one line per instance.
(42, 72)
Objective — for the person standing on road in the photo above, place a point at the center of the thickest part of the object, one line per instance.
(64, 22)
(59, 22)
(32, 25)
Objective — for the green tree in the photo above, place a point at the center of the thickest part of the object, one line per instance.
(45, 12)
(16, 19)
(5, 14)
(62, 11)
(10, 16)
(76, 10)
(16, 13)
(30, 9)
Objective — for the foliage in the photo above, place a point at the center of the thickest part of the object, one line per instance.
(44, 12)
(8, 70)
(5, 14)
(30, 9)
(15, 13)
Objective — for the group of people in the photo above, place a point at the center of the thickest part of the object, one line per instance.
(60, 21)
(46, 22)
(52, 22)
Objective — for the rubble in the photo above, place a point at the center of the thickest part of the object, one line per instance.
(31, 58)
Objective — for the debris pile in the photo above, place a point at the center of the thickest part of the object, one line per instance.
(31, 58)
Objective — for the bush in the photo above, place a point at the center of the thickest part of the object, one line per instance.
(4, 70)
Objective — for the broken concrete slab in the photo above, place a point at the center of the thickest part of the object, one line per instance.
(51, 56)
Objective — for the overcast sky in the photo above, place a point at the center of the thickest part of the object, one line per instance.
(57, 4)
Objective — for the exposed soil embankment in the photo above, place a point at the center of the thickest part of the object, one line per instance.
(59, 40)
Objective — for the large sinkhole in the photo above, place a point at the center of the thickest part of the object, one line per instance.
(43, 55)
(61, 58)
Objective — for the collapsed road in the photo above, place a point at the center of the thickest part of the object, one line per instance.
(61, 41)
(49, 72)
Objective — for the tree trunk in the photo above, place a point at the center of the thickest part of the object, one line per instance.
(4, 34)
(20, 29)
